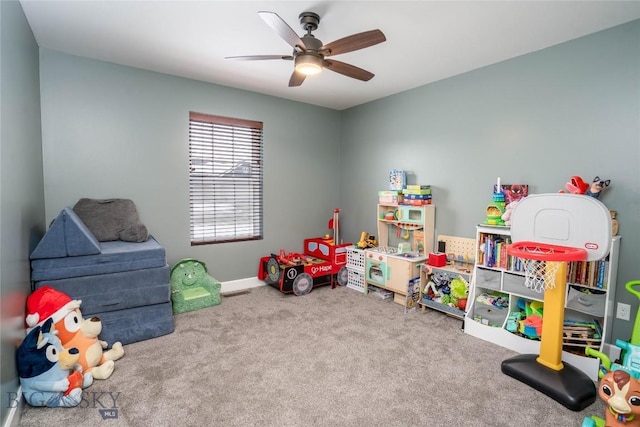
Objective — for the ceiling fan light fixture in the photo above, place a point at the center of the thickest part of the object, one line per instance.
(308, 64)
(309, 53)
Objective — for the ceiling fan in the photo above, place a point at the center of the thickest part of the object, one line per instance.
(309, 54)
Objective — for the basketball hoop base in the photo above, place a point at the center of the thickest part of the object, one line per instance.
(569, 386)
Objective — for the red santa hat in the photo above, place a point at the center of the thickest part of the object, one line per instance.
(46, 302)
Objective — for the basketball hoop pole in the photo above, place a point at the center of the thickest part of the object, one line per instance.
(552, 326)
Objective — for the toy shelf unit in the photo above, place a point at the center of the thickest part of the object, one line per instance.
(502, 310)
(444, 285)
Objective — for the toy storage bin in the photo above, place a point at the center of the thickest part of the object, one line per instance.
(489, 315)
(355, 258)
(514, 284)
(355, 280)
(592, 303)
(487, 279)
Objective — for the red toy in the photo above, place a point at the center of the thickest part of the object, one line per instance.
(576, 185)
(323, 262)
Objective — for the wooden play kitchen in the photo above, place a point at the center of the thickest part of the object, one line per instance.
(404, 232)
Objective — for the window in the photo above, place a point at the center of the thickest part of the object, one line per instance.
(225, 179)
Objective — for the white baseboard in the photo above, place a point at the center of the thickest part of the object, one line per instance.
(241, 284)
(14, 414)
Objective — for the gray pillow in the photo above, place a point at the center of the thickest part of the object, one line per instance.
(112, 219)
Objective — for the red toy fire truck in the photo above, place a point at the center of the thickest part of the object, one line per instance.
(323, 262)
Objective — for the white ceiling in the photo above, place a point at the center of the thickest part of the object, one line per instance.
(426, 40)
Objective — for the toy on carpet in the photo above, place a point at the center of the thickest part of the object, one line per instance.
(620, 391)
(48, 372)
(322, 262)
(192, 287)
(74, 331)
(112, 219)
(629, 359)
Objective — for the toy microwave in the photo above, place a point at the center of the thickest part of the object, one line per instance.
(410, 214)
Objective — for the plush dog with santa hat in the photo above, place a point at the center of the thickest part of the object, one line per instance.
(47, 370)
(73, 331)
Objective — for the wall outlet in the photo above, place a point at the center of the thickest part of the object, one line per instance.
(624, 311)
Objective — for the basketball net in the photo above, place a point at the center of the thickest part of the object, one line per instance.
(539, 275)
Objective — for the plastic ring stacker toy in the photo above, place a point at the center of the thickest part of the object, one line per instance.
(302, 284)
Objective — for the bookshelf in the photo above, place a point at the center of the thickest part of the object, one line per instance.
(498, 277)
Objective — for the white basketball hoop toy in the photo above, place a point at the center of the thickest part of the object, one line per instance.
(548, 231)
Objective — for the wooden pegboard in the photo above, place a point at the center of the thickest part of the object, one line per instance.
(460, 247)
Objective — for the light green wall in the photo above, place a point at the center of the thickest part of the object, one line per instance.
(21, 185)
(114, 131)
(572, 109)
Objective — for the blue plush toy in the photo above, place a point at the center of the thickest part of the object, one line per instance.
(47, 371)
(597, 186)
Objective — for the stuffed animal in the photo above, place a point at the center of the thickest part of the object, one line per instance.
(74, 331)
(621, 393)
(48, 372)
(506, 216)
(597, 185)
(576, 185)
(459, 292)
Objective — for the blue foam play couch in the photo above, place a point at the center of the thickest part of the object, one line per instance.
(125, 284)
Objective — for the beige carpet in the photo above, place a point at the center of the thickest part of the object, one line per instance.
(334, 357)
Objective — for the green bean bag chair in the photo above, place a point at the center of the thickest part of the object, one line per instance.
(192, 288)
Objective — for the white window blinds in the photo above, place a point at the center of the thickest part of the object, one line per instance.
(225, 179)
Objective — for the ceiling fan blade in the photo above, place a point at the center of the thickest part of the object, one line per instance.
(347, 69)
(283, 29)
(354, 42)
(260, 57)
(296, 79)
